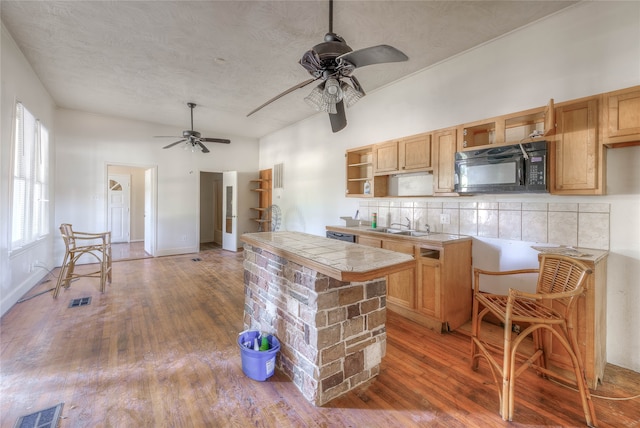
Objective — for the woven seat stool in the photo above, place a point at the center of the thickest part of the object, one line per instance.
(549, 310)
(78, 244)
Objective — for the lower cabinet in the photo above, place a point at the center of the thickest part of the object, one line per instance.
(401, 286)
(590, 320)
(429, 302)
(436, 293)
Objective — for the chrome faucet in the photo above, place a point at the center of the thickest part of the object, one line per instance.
(427, 228)
(408, 225)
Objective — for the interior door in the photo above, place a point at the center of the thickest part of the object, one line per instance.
(149, 212)
(230, 210)
(119, 197)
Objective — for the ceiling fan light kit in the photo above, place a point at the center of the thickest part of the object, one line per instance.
(331, 61)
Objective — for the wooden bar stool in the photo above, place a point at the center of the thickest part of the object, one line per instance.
(561, 281)
(97, 245)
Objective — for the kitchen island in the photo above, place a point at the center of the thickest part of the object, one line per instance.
(325, 302)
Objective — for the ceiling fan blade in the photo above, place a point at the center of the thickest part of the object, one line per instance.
(203, 147)
(298, 86)
(373, 55)
(338, 120)
(173, 144)
(215, 140)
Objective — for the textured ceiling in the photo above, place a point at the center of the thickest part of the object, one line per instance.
(145, 60)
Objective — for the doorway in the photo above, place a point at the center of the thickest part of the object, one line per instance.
(210, 210)
(131, 206)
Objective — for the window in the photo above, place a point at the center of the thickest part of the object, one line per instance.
(30, 211)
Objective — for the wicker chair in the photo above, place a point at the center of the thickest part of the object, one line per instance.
(560, 283)
(96, 245)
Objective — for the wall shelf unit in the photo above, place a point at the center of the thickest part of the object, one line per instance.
(361, 182)
(263, 189)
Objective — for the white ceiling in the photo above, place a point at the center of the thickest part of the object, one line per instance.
(145, 60)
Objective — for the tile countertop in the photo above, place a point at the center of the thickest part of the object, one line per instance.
(343, 261)
(586, 254)
(440, 239)
(437, 239)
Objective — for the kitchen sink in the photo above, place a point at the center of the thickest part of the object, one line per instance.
(413, 233)
(386, 230)
(392, 231)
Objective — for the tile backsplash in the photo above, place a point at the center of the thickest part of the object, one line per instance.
(583, 225)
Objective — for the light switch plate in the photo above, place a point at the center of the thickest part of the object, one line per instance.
(445, 218)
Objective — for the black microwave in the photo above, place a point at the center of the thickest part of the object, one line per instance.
(518, 168)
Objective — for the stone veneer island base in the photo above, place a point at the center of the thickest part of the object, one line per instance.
(325, 302)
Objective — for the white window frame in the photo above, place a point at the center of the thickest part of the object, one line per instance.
(30, 180)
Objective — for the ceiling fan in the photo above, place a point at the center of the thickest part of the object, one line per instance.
(331, 61)
(193, 137)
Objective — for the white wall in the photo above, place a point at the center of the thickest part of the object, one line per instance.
(86, 143)
(590, 48)
(20, 270)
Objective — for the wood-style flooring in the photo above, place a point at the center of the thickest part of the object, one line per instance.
(158, 349)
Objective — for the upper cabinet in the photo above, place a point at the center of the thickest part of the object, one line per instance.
(361, 182)
(578, 133)
(444, 151)
(621, 118)
(409, 154)
(385, 158)
(522, 127)
(414, 153)
(575, 157)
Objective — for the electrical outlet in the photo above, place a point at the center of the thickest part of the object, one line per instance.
(445, 218)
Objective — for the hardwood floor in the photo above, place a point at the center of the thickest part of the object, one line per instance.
(158, 349)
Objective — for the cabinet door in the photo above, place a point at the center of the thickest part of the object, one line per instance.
(385, 157)
(429, 288)
(401, 286)
(444, 150)
(622, 117)
(415, 153)
(550, 119)
(589, 320)
(575, 161)
(369, 242)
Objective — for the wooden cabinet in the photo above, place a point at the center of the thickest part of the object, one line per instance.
(521, 127)
(429, 302)
(591, 327)
(414, 153)
(369, 241)
(361, 182)
(408, 154)
(444, 278)
(621, 117)
(263, 188)
(444, 151)
(401, 286)
(576, 159)
(436, 293)
(385, 158)
(578, 132)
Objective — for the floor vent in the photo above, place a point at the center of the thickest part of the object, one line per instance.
(82, 301)
(47, 418)
(197, 259)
